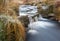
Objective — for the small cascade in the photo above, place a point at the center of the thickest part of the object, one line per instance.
(30, 19)
(36, 18)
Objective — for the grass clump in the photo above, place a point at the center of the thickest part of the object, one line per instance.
(11, 29)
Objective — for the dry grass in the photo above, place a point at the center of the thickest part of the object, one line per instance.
(9, 7)
(13, 29)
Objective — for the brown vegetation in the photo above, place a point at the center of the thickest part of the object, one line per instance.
(9, 7)
(12, 28)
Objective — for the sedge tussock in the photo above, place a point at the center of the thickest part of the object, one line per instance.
(12, 28)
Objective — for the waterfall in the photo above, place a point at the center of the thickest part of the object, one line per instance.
(36, 18)
(30, 19)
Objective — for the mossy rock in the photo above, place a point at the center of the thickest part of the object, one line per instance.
(24, 20)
